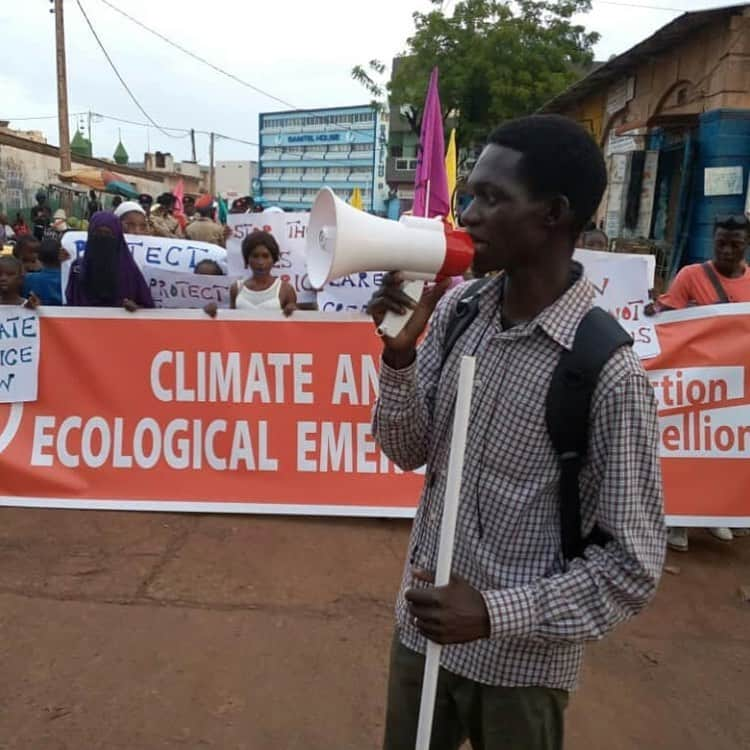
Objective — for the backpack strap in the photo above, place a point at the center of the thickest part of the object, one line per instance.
(708, 269)
(466, 311)
(569, 397)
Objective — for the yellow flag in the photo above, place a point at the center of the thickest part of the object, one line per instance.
(356, 200)
(450, 172)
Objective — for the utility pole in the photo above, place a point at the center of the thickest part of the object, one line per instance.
(211, 168)
(62, 88)
(192, 144)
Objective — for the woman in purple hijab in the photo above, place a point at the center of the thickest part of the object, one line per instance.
(107, 275)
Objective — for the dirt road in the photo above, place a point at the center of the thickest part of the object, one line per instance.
(139, 631)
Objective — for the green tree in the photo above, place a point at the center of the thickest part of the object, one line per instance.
(497, 60)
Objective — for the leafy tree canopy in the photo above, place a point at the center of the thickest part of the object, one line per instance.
(497, 60)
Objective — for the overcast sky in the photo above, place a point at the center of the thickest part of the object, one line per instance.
(299, 51)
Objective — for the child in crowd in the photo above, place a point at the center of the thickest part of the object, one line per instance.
(262, 291)
(46, 284)
(209, 268)
(27, 251)
(11, 282)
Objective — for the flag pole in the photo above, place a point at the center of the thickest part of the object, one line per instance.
(427, 201)
(447, 537)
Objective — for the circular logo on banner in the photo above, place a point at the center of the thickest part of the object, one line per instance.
(10, 419)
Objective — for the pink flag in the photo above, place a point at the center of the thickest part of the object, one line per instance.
(431, 196)
(179, 195)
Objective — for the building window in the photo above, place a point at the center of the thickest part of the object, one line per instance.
(397, 151)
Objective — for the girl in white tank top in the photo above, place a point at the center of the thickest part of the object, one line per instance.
(262, 291)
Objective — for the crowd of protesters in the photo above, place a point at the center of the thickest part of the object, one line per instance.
(106, 275)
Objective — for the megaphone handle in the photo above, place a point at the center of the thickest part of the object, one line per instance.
(392, 323)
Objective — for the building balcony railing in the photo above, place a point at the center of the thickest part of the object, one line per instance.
(393, 175)
(282, 182)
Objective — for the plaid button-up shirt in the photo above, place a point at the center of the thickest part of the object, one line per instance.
(508, 543)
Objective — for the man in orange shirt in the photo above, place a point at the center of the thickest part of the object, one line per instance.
(724, 279)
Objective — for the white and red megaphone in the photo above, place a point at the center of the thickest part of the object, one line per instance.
(342, 240)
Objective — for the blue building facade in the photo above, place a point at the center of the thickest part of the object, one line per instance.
(342, 148)
(722, 141)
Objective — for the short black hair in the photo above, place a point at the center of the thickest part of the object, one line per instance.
(166, 199)
(256, 238)
(13, 260)
(731, 222)
(49, 252)
(559, 158)
(22, 242)
(208, 262)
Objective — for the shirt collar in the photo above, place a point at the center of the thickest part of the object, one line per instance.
(561, 319)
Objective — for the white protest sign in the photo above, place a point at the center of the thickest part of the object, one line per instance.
(166, 253)
(586, 256)
(293, 261)
(289, 230)
(350, 293)
(243, 225)
(621, 285)
(160, 252)
(19, 354)
(179, 290)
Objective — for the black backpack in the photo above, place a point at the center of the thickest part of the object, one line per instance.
(574, 379)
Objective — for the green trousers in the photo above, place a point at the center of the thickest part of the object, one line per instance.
(492, 718)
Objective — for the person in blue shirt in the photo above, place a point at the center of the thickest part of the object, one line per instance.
(46, 283)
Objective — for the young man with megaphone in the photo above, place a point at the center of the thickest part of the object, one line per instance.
(560, 533)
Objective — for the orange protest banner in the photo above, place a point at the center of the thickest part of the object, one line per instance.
(171, 410)
(702, 382)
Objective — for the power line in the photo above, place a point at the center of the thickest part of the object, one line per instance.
(184, 130)
(195, 56)
(125, 121)
(143, 124)
(638, 5)
(120, 78)
(41, 117)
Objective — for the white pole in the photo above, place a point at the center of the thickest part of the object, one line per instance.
(427, 201)
(447, 536)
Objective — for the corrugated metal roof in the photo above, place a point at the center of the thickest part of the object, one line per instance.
(620, 66)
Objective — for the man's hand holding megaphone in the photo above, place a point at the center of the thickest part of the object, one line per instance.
(401, 350)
